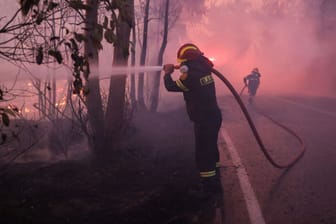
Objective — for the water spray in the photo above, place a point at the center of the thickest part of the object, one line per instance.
(130, 70)
(136, 69)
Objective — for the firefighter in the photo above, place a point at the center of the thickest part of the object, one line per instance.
(252, 82)
(198, 88)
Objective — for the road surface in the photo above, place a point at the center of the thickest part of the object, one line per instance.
(255, 191)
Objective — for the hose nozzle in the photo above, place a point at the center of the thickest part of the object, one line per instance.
(183, 68)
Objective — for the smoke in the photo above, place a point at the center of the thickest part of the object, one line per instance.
(286, 41)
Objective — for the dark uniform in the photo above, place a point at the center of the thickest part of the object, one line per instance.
(252, 81)
(198, 87)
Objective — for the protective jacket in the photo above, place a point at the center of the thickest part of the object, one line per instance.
(252, 81)
(198, 89)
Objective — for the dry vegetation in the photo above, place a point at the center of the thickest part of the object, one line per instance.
(148, 181)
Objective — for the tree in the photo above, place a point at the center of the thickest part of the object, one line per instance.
(107, 126)
(328, 18)
(115, 114)
(85, 63)
(170, 14)
(143, 53)
(163, 16)
(93, 35)
(133, 61)
(157, 78)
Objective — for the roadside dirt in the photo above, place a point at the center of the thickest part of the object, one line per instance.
(149, 180)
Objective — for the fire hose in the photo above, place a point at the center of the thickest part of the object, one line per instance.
(254, 130)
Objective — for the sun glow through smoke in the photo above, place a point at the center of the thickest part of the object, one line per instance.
(284, 41)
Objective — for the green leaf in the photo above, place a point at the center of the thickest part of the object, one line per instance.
(98, 32)
(3, 138)
(5, 119)
(78, 5)
(113, 20)
(10, 112)
(110, 36)
(57, 55)
(86, 69)
(79, 37)
(97, 44)
(105, 23)
(27, 5)
(39, 56)
(52, 5)
(74, 45)
(54, 38)
(39, 18)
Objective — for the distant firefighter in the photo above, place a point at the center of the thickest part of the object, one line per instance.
(252, 82)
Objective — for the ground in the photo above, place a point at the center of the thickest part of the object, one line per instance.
(149, 180)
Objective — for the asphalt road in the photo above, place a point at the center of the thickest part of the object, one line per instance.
(255, 191)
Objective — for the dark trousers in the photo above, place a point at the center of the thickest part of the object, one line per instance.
(206, 149)
(252, 87)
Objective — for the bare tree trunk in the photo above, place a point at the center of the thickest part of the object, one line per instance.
(37, 83)
(141, 100)
(94, 101)
(157, 78)
(45, 98)
(53, 93)
(115, 120)
(53, 79)
(132, 85)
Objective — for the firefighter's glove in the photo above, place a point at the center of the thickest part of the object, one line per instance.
(168, 68)
(184, 69)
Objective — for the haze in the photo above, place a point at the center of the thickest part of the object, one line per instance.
(291, 48)
(289, 45)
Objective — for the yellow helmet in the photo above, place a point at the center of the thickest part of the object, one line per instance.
(188, 51)
(255, 70)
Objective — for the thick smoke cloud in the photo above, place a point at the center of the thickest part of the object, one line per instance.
(290, 42)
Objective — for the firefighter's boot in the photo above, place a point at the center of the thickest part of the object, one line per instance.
(207, 194)
(212, 184)
(211, 189)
